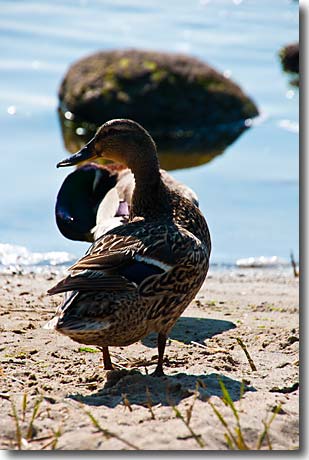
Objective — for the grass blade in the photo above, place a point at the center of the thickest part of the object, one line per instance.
(265, 433)
(149, 404)
(18, 430)
(227, 399)
(24, 405)
(229, 441)
(33, 417)
(197, 437)
(250, 360)
(109, 434)
(224, 423)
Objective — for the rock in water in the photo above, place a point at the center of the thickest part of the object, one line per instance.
(177, 98)
(289, 56)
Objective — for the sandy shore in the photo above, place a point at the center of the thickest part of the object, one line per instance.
(72, 393)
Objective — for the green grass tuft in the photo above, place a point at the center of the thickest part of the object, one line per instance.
(88, 350)
(234, 435)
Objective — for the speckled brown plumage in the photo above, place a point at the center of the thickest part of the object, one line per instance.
(138, 277)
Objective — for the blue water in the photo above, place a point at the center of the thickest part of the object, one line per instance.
(249, 194)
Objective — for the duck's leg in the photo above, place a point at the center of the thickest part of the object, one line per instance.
(161, 347)
(108, 365)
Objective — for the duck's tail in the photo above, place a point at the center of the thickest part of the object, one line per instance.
(52, 324)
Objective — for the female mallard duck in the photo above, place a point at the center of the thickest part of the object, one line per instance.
(140, 276)
(94, 199)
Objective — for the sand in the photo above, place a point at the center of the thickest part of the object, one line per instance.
(76, 405)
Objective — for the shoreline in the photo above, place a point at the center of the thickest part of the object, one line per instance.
(215, 269)
(259, 307)
(16, 259)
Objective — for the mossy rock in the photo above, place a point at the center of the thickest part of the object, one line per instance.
(289, 56)
(175, 97)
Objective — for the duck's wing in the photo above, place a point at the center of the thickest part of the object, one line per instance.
(118, 261)
(93, 281)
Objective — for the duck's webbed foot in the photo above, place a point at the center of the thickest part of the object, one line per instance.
(161, 347)
(158, 372)
(107, 362)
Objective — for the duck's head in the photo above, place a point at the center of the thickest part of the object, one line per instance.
(79, 198)
(122, 141)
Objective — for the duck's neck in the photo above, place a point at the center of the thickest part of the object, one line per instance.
(150, 197)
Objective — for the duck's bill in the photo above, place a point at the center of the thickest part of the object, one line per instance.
(85, 154)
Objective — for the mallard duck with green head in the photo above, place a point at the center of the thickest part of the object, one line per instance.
(138, 277)
(95, 198)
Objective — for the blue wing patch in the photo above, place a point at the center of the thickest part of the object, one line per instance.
(137, 272)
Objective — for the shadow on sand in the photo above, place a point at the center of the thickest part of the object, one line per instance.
(187, 329)
(168, 390)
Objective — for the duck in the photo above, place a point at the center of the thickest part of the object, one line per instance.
(95, 198)
(140, 276)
